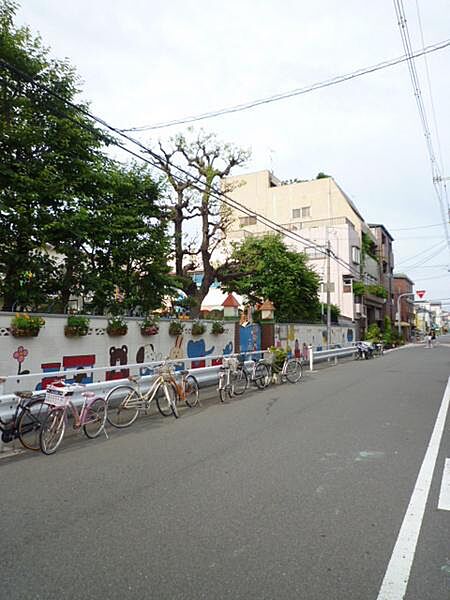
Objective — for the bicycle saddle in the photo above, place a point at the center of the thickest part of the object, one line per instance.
(26, 395)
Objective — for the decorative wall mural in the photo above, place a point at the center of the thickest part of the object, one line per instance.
(177, 353)
(20, 355)
(78, 362)
(118, 356)
(146, 354)
(197, 349)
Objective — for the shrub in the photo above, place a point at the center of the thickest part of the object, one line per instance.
(76, 325)
(176, 328)
(217, 328)
(26, 325)
(198, 328)
(149, 326)
(373, 333)
(280, 356)
(116, 326)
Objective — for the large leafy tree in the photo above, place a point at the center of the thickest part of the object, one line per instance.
(74, 222)
(45, 159)
(196, 197)
(265, 268)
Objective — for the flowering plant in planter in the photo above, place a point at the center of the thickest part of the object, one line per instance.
(116, 326)
(217, 328)
(24, 325)
(198, 328)
(176, 328)
(149, 326)
(77, 325)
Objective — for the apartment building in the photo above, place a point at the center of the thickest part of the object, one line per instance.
(385, 257)
(317, 212)
(403, 290)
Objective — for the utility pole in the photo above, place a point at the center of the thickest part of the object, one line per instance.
(328, 267)
(328, 295)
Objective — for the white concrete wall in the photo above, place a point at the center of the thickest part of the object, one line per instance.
(52, 351)
(295, 336)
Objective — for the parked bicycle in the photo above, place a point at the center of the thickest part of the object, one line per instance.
(291, 369)
(186, 388)
(26, 422)
(91, 418)
(233, 378)
(260, 373)
(125, 401)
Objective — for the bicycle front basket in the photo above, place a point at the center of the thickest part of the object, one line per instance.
(230, 363)
(57, 396)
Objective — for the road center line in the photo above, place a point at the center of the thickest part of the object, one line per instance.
(444, 496)
(397, 573)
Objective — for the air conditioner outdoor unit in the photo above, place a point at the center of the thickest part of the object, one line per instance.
(360, 309)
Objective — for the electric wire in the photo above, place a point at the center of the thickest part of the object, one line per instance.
(424, 251)
(418, 227)
(289, 94)
(217, 194)
(436, 176)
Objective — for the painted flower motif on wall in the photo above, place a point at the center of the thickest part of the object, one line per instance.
(20, 355)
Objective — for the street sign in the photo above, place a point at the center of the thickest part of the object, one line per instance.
(421, 293)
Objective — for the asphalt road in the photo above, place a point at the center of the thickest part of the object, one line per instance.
(296, 492)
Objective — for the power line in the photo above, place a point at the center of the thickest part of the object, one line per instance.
(446, 265)
(436, 176)
(296, 92)
(418, 227)
(424, 251)
(204, 186)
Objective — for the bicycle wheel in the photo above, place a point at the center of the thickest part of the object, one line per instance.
(122, 406)
(94, 421)
(30, 421)
(166, 400)
(222, 386)
(52, 430)
(239, 382)
(261, 376)
(293, 370)
(191, 391)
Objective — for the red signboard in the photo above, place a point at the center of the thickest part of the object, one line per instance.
(420, 293)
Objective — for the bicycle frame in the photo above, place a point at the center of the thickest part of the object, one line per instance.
(79, 417)
(144, 400)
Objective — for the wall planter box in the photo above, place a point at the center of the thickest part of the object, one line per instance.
(18, 332)
(217, 328)
(198, 329)
(153, 330)
(74, 331)
(176, 328)
(116, 331)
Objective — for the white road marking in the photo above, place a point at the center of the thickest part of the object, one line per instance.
(444, 495)
(397, 573)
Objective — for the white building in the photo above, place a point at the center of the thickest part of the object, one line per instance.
(318, 211)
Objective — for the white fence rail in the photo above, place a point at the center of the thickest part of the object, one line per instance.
(206, 375)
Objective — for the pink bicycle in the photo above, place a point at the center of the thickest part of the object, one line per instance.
(91, 417)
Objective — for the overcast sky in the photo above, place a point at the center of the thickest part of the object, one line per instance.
(143, 62)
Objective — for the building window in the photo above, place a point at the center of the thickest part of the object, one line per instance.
(301, 213)
(347, 284)
(247, 221)
(356, 255)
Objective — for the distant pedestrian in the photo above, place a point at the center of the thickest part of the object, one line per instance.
(428, 340)
(433, 338)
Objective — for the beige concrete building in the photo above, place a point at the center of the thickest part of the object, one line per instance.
(316, 210)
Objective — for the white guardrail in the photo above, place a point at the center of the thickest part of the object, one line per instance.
(206, 376)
